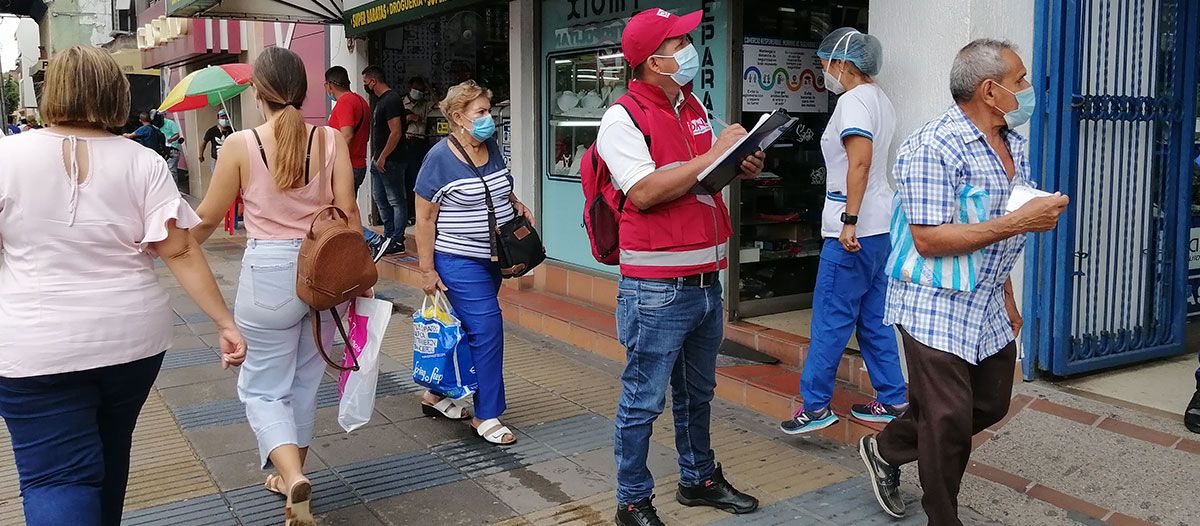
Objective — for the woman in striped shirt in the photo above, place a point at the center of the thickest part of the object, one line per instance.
(455, 247)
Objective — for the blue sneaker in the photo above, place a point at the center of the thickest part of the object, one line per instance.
(874, 411)
(808, 421)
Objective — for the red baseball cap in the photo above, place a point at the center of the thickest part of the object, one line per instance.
(649, 29)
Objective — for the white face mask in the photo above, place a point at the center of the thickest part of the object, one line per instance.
(416, 94)
(835, 84)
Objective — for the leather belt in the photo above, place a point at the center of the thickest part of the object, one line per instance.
(704, 280)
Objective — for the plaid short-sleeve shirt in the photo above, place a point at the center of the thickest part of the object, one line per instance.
(932, 168)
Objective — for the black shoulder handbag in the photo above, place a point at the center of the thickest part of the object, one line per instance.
(516, 245)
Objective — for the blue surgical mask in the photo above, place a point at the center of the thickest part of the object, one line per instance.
(224, 123)
(331, 97)
(483, 128)
(689, 64)
(1026, 104)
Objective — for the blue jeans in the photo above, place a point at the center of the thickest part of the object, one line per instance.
(851, 292)
(71, 434)
(473, 286)
(278, 381)
(360, 175)
(672, 334)
(387, 188)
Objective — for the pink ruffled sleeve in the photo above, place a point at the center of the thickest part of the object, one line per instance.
(163, 204)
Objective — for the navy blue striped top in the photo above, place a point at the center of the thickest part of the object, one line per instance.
(462, 223)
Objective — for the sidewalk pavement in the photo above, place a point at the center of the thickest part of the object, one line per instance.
(195, 459)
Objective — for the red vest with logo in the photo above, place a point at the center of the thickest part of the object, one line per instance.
(685, 236)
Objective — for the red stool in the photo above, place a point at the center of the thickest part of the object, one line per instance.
(234, 211)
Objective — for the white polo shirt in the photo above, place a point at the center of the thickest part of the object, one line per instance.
(864, 111)
(623, 146)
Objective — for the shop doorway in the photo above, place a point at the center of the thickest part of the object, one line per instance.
(1110, 284)
(777, 217)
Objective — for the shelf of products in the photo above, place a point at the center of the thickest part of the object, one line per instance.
(582, 86)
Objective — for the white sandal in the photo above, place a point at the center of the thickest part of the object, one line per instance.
(445, 408)
(493, 431)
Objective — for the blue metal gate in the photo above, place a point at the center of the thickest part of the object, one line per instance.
(1108, 286)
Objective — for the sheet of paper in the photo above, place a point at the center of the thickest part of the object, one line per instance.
(1022, 194)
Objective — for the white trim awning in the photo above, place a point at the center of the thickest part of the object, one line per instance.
(303, 11)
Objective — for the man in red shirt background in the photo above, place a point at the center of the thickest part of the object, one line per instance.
(352, 117)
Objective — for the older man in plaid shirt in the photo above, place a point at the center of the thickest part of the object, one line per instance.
(959, 345)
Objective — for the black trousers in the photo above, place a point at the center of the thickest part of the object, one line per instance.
(950, 401)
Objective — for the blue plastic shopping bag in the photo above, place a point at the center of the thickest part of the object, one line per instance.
(955, 273)
(441, 357)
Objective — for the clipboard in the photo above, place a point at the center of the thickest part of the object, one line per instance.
(766, 132)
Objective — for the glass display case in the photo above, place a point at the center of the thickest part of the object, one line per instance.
(583, 84)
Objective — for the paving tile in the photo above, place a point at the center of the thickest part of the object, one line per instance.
(196, 317)
(162, 466)
(192, 375)
(202, 511)
(352, 516)
(476, 457)
(200, 393)
(211, 414)
(326, 423)
(1070, 413)
(545, 485)
(387, 477)
(459, 503)
(240, 470)
(574, 435)
(255, 506)
(221, 440)
(1141, 433)
(661, 461)
(367, 443)
(176, 359)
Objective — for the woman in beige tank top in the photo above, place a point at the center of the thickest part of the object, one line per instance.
(285, 171)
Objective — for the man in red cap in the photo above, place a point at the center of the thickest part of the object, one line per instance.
(654, 142)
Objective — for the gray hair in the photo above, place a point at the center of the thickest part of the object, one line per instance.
(976, 62)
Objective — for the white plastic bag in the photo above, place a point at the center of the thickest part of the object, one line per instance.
(368, 320)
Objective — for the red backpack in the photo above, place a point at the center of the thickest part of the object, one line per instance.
(603, 203)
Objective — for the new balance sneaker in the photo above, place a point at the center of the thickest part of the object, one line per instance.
(718, 493)
(874, 411)
(808, 421)
(885, 479)
(640, 513)
(1191, 418)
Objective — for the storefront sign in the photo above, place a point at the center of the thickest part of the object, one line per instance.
(782, 74)
(386, 13)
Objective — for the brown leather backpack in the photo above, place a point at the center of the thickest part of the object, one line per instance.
(334, 267)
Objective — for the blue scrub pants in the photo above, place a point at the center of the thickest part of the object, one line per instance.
(851, 292)
(473, 288)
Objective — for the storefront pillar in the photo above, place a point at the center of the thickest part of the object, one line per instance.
(525, 68)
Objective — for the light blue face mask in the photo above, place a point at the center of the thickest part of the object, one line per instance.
(689, 64)
(331, 97)
(483, 128)
(1026, 105)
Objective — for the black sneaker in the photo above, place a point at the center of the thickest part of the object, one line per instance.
(808, 421)
(1191, 418)
(874, 411)
(717, 493)
(885, 479)
(640, 513)
(396, 246)
(379, 248)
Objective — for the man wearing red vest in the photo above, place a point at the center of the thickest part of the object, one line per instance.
(669, 313)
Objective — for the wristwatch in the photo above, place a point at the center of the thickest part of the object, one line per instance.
(849, 219)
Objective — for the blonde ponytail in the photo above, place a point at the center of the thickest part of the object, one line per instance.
(282, 84)
(291, 146)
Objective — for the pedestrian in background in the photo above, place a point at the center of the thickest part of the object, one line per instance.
(851, 288)
(286, 170)
(352, 118)
(215, 136)
(387, 168)
(1191, 416)
(148, 135)
(420, 102)
(171, 132)
(454, 244)
(84, 322)
(670, 315)
(960, 345)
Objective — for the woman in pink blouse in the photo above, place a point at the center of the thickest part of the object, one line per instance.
(84, 322)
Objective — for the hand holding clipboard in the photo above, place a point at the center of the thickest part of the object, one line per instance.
(769, 129)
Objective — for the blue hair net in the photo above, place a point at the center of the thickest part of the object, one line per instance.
(860, 49)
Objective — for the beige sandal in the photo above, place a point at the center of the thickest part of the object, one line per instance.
(298, 511)
(272, 484)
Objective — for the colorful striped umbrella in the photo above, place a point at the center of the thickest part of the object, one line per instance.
(211, 86)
